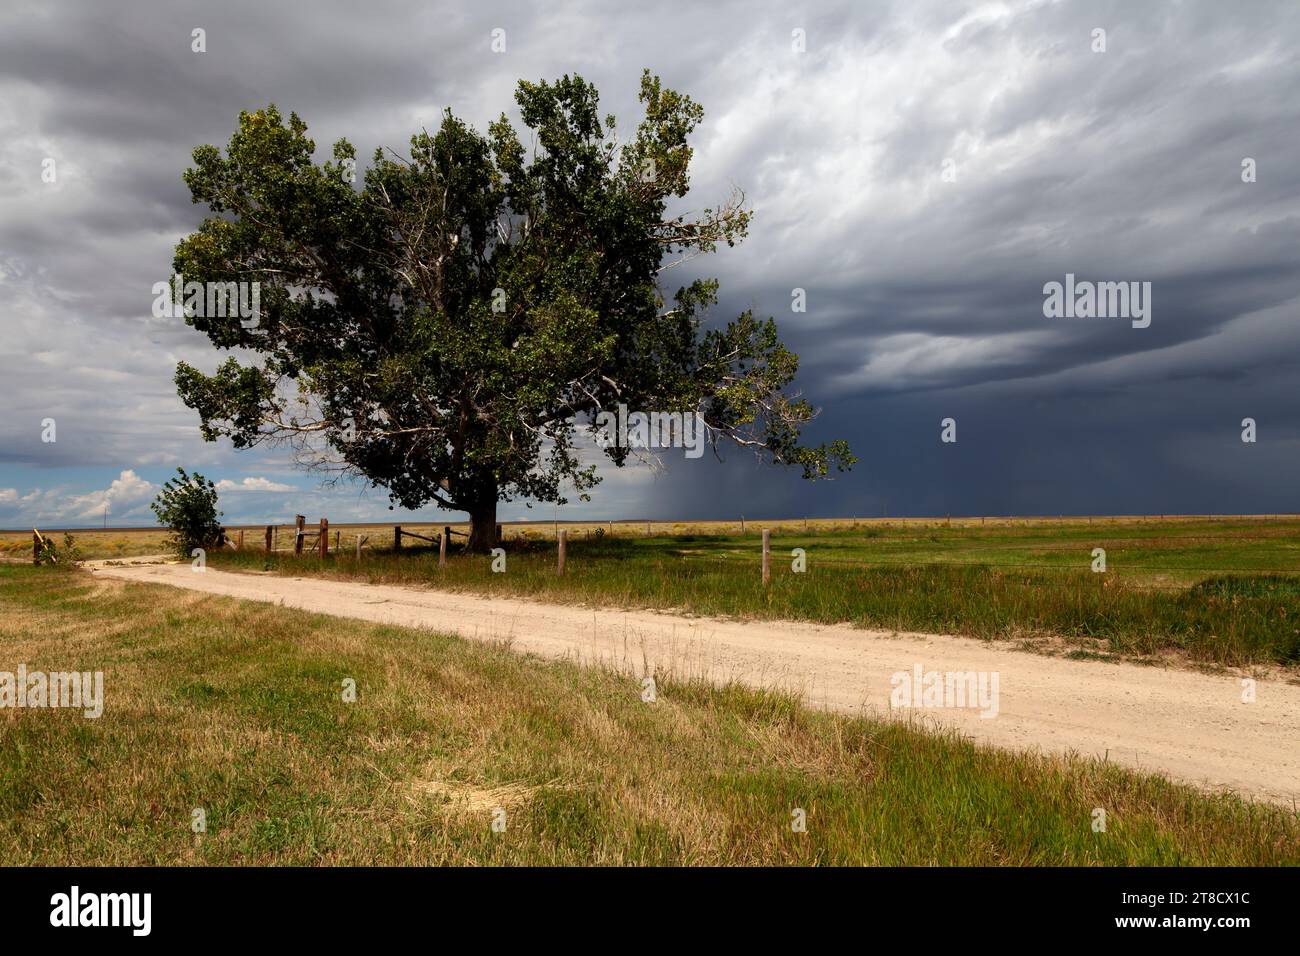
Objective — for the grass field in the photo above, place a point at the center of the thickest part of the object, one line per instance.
(1213, 592)
(126, 543)
(236, 708)
(930, 536)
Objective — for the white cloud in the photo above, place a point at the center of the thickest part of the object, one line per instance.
(127, 492)
(253, 484)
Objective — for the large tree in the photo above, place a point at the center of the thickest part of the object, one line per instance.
(448, 329)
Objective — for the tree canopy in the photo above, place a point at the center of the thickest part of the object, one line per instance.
(449, 328)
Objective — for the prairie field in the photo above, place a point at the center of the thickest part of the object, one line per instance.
(1210, 592)
(237, 709)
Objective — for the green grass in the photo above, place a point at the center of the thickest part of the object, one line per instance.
(235, 707)
(1221, 592)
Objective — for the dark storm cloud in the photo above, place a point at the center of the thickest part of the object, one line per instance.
(924, 296)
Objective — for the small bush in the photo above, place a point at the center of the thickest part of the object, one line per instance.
(48, 552)
(71, 553)
(187, 505)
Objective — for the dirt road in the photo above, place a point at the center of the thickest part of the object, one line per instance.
(1190, 726)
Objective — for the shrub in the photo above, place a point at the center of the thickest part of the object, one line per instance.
(187, 505)
(47, 552)
(71, 552)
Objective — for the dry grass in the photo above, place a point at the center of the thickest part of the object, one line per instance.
(132, 542)
(236, 708)
(1215, 593)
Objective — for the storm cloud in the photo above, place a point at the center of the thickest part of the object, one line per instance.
(918, 173)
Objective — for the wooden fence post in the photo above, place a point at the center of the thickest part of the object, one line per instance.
(742, 524)
(270, 531)
(324, 538)
(767, 555)
(397, 537)
(442, 546)
(647, 529)
(559, 563)
(298, 522)
(359, 540)
(239, 542)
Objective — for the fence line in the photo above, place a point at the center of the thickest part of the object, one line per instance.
(562, 536)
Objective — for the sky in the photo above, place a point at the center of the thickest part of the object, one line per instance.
(919, 171)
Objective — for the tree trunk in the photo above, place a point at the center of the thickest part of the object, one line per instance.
(483, 527)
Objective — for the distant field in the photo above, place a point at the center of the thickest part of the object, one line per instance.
(995, 540)
(235, 708)
(1225, 590)
(124, 543)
